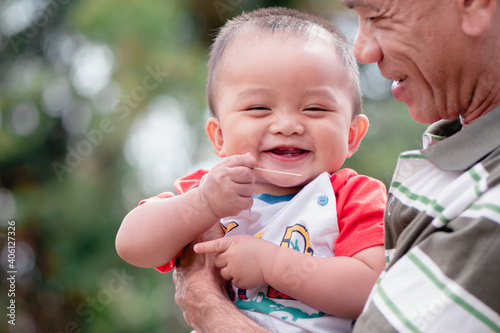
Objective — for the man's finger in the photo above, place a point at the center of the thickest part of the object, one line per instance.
(214, 246)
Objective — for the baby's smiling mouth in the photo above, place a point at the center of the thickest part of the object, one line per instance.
(287, 151)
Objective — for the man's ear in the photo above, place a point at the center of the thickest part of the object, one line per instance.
(214, 133)
(357, 131)
(477, 15)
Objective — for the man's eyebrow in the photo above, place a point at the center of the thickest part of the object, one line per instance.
(356, 3)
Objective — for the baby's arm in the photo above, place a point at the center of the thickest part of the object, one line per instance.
(339, 285)
(153, 233)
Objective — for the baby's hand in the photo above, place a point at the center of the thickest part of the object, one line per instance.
(229, 186)
(244, 260)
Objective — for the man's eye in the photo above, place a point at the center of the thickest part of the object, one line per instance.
(372, 19)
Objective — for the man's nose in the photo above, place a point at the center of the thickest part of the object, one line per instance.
(366, 48)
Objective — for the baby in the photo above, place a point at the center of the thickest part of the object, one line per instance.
(303, 246)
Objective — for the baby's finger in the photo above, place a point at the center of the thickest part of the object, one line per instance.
(213, 246)
(242, 175)
(247, 160)
(220, 261)
(225, 273)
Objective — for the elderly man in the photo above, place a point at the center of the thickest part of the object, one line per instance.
(443, 215)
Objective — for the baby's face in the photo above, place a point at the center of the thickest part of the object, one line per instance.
(288, 102)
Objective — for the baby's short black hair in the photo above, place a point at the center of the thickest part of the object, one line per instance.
(276, 19)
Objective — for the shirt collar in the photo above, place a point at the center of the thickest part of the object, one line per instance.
(462, 148)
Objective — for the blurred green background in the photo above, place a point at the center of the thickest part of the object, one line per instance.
(102, 104)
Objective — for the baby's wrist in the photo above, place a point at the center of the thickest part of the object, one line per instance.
(204, 203)
(267, 262)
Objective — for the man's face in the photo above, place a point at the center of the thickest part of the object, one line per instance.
(416, 44)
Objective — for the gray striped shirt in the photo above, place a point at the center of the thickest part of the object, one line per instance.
(442, 234)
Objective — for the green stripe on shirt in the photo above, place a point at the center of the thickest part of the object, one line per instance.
(469, 308)
(415, 197)
(396, 311)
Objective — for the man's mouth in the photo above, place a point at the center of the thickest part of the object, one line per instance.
(398, 80)
(397, 86)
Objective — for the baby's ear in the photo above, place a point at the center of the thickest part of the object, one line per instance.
(214, 133)
(357, 131)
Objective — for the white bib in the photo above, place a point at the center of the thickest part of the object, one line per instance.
(306, 222)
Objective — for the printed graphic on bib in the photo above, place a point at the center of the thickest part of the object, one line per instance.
(265, 305)
(230, 227)
(296, 237)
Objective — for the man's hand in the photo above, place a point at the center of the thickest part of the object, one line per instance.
(196, 275)
(228, 188)
(244, 260)
(201, 293)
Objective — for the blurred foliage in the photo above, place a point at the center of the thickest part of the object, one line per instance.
(75, 76)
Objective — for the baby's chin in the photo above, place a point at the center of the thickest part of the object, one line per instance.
(279, 187)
